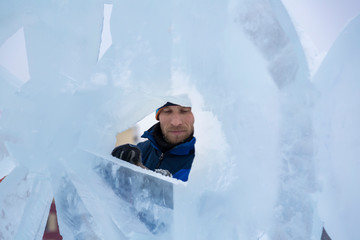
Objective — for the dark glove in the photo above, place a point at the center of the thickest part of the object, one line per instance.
(129, 153)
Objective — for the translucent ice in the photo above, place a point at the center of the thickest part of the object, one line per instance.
(242, 64)
(25, 202)
(337, 119)
(253, 76)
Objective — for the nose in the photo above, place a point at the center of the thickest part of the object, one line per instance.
(176, 120)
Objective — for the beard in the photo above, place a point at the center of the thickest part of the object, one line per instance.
(178, 135)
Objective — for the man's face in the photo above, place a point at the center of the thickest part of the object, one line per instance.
(177, 123)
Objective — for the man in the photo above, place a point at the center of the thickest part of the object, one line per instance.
(170, 148)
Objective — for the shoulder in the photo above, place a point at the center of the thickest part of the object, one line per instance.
(144, 145)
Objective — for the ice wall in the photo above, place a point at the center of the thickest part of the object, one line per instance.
(248, 64)
(336, 120)
(242, 64)
(72, 103)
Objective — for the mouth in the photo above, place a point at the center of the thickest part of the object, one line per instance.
(177, 132)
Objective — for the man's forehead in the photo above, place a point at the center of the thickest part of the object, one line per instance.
(176, 106)
(168, 105)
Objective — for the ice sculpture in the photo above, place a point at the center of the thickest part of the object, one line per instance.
(244, 68)
(254, 65)
(47, 121)
(336, 120)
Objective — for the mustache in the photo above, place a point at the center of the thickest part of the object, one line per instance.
(177, 129)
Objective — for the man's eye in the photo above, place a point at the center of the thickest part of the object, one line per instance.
(185, 110)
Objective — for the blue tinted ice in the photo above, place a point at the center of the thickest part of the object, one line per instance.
(276, 154)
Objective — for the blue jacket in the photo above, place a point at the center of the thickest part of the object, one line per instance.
(177, 160)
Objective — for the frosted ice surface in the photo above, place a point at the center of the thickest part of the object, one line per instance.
(260, 97)
(254, 173)
(337, 119)
(141, 48)
(24, 204)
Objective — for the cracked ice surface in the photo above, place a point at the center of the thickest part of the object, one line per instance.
(242, 64)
